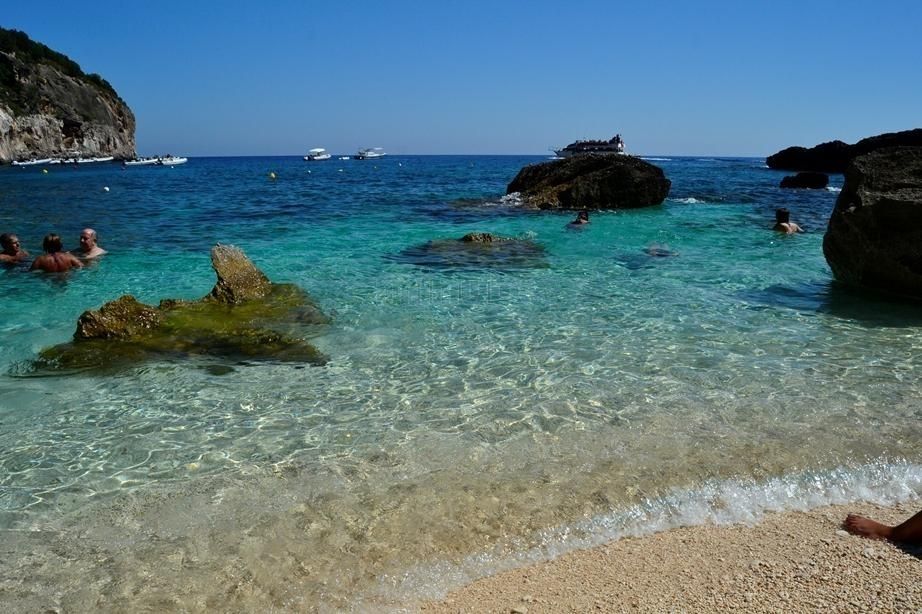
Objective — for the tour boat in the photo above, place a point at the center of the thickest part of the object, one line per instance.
(614, 146)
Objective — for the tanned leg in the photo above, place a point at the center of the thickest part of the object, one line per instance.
(909, 532)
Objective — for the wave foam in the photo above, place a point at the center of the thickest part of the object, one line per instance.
(719, 502)
(687, 201)
(830, 188)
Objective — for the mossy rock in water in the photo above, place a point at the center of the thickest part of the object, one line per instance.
(245, 317)
(477, 250)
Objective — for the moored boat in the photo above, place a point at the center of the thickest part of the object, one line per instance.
(614, 146)
(31, 162)
(142, 161)
(369, 153)
(172, 161)
(317, 154)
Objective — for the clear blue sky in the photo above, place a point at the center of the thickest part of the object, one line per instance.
(435, 76)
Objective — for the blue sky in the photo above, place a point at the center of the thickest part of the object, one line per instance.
(431, 77)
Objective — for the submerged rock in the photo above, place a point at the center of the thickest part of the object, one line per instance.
(591, 182)
(477, 250)
(874, 238)
(244, 317)
(806, 180)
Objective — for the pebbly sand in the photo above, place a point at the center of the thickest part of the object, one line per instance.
(790, 562)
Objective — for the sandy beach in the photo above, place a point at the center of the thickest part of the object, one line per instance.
(790, 562)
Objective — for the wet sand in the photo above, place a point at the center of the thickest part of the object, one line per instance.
(789, 562)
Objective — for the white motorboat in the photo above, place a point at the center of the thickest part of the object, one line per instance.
(369, 153)
(614, 146)
(317, 154)
(142, 161)
(173, 161)
(98, 159)
(31, 162)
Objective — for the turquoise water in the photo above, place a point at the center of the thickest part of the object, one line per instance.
(470, 418)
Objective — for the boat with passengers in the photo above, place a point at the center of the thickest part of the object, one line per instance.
(614, 146)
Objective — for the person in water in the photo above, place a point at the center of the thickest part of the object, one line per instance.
(88, 247)
(55, 260)
(909, 532)
(784, 224)
(581, 218)
(12, 252)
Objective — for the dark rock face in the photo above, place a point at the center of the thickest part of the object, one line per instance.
(874, 239)
(834, 157)
(476, 250)
(49, 107)
(808, 180)
(245, 317)
(591, 182)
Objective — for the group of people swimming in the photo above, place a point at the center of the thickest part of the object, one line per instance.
(54, 259)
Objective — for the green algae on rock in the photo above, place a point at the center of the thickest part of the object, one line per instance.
(245, 317)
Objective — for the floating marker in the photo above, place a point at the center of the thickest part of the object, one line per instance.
(105, 189)
(272, 175)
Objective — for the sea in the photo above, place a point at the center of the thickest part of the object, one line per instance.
(674, 365)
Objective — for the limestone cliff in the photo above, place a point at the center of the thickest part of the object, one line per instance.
(49, 107)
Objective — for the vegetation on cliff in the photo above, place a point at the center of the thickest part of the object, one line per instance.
(23, 97)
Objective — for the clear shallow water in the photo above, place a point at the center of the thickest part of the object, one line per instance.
(469, 418)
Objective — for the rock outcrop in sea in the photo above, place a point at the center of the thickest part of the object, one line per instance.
(833, 157)
(49, 107)
(806, 180)
(477, 250)
(245, 317)
(874, 238)
(591, 182)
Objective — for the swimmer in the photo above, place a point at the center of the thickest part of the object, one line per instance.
(784, 224)
(581, 218)
(54, 260)
(88, 247)
(12, 252)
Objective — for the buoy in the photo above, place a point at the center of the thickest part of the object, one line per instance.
(105, 189)
(272, 175)
(45, 171)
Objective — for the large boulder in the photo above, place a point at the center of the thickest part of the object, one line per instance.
(874, 239)
(833, 157)
(244, 317)
(591, 182)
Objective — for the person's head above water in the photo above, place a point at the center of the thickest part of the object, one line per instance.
(782, 216)
(52, 243)
(9, 243)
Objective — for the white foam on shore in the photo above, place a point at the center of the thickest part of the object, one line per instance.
(830, 188)
(723, 502)
(656, 159)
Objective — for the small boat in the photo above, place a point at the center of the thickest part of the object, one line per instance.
(98, 159)
(615, 146)
(317, 154)
(344, 157)
(369, 153)
(142, 161)
(31, 162)
(172, 161)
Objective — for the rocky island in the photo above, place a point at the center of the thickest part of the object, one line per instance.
(833, 157)
(50, 108)
(588, 181)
